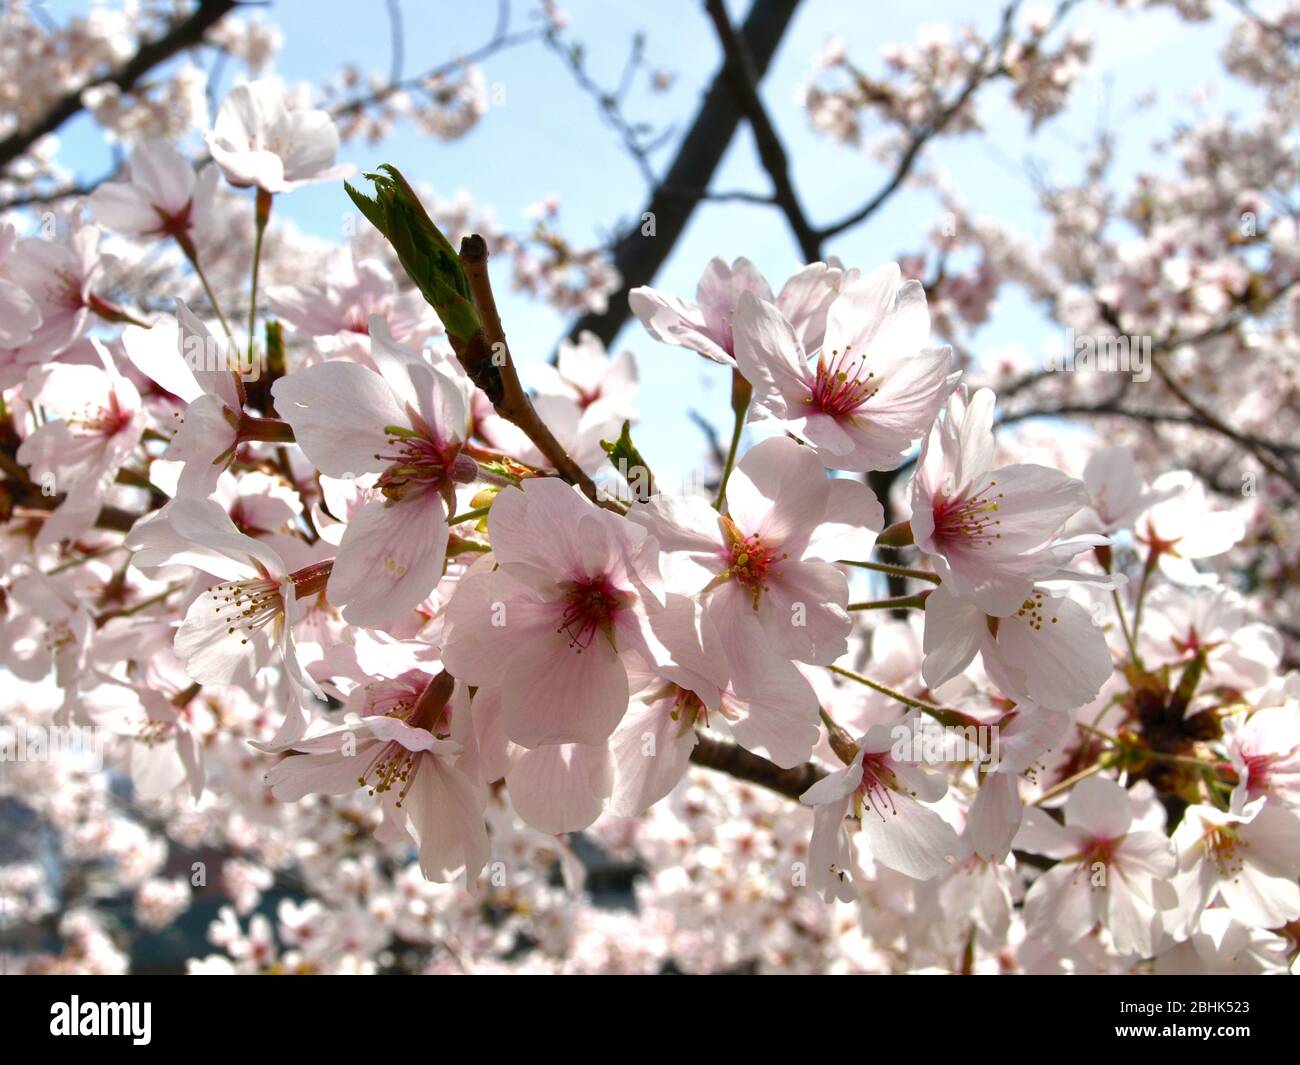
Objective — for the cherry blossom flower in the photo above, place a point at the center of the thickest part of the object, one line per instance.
(1223, 946)
(44, 629)
(585, 372)
(992, 532)
(182, 357)
(764, 702)
(875, 387)
(335, 309)
(551, 623)
(1048, 652)
(1181, 623)
(561, 787)
(57, 279)
(161, 196)
(1117, 495)
(19, 315)
(402, 749)
(97, 423)
(1181, 528)
(890, 799)
(996, 814)
(769, 707)
(707, 325)
(237, 627)
(763, 570)
(1251, 864)
(557, 788)
(262, 138)
(642, 668)
(166, 726)
(1265, 753)
(1108, 863)
(406, 423)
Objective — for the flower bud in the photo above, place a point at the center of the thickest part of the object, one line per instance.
(426, 255)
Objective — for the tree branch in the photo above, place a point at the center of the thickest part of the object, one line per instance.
(638, 258)
(513, 403)
(980, 73)
(734, 760)
(183, 34)
(771, 152)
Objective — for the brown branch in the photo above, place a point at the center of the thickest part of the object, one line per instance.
(500, 40)
(981, 72)
(1112, 409)
(1273, 457)
(1211, 421)
(635, 139)
(489, 348)
(734, 760)
(182, 34)
(743, 76)
(637, 257)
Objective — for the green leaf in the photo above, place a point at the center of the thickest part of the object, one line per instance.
(425, 253)
(625, 458)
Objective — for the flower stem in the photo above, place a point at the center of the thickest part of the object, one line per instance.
(263, 216)
(469, 515)
(1066, 784)
(1142, 592)
(939, 713)
(1098, 733)
(487, 359)
(893, 602)
(893, 571)
(741, 391)
(212, 296)
(144, 604)
(1123, 624)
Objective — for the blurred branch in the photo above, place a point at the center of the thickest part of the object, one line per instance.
(500, 40)
(183, 34)
(397, 36)
(735, 761)
(981, 72)
(611, 103)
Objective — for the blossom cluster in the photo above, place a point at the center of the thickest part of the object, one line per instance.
(382, 658)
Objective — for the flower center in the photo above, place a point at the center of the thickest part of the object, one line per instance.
(1157, 543)
(1263, 768)
(104, 421)
(1033, 612)
(356, 320)
(65, 291)
(58, 636)
(591, 605)
(748, 559)
(839, 387)
(1222, 845)
(393, 766)
(970, 518)
(248, 605)
(876, 791)
(418, 464)
(174, 225)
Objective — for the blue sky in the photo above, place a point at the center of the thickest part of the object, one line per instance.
(548, 139)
